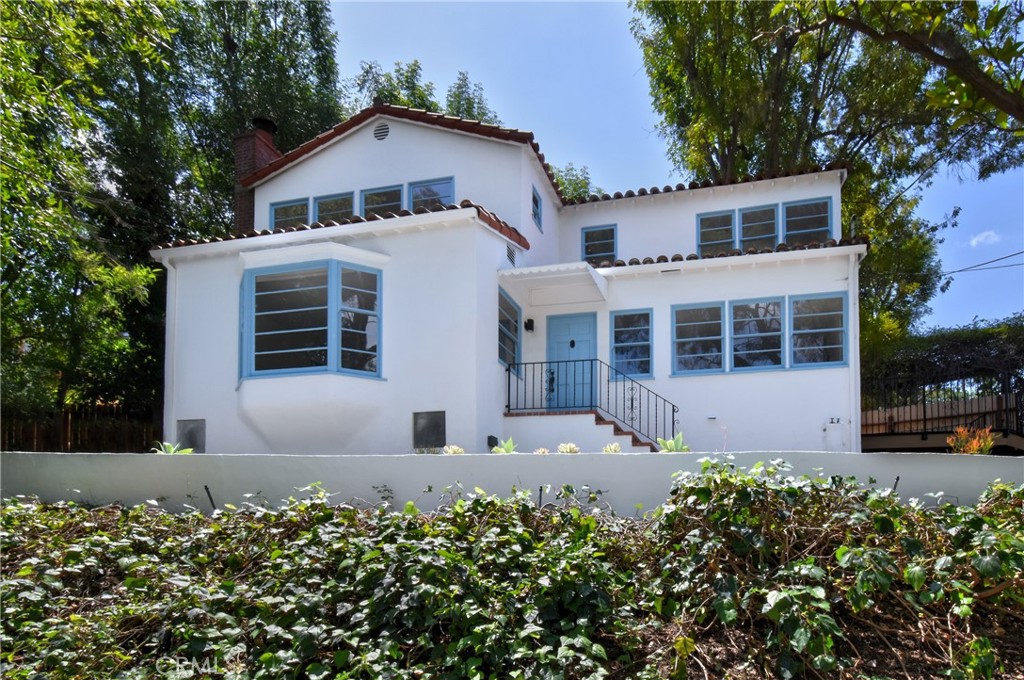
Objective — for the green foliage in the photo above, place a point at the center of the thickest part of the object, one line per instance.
(507, 446)
(169, 448)
(575, 183)
(674, 445)
(746, 88)
(804, 576)
(466, 99)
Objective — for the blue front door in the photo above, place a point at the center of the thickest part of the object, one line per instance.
(572, 346)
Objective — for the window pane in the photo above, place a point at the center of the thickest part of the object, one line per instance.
(599, 245)
(290, 311)
(698, 339)
(758, 229)
(715, 234)
(508, 329)
(336, 208)
(819, 335)
(430, 194)
(290, 215)
(807, 222)
(631, 342)
(382, 201)
(757, 334)
(535, 207)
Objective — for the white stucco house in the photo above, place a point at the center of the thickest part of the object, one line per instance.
(407, 280)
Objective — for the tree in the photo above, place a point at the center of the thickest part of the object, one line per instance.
(742, 90)
(402, 87)
(974, 49)
(466, 100)
(575, 183)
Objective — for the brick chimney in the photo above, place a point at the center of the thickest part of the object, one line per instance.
(254, 149)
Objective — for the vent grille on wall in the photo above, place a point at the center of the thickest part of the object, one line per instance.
(511, 253)
(381, 131)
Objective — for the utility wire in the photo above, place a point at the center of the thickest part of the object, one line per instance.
(981, 264)
(985, 269)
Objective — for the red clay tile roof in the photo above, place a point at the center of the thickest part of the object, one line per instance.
(668, 188)
(474, 127)
(490, 219)
(781, 248)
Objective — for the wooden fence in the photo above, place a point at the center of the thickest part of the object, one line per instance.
(106, 428)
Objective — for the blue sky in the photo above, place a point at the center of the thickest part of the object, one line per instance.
(573, 74)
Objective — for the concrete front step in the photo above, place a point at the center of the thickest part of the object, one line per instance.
(531, 430)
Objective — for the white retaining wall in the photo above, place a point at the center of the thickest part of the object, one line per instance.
(626, 479)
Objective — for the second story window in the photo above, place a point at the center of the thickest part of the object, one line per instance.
(714, 233)
(382, 201)
(431, 193)
(337, 207)
(599, 245)
(757, 228)
(289, 214)
(807, 222)
(535, 209)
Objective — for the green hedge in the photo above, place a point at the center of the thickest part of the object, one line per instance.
(739, 574)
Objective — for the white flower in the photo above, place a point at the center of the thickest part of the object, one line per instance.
(568, 447)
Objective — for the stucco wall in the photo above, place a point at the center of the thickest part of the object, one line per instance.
(626, 479)
(438, 349)
(665, 224)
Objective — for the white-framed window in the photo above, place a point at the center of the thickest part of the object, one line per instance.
(536, 209)
(757, 334)
(381, 201)
(289, 214)
(818, 330)
(509, 329)
(312, 317)
(336, 207)
(807, 221)
(698, 338)
(431, 193)
(631, 342)
(715, 233)
(758, 228)
(599, 244)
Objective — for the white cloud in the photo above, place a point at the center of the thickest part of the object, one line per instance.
(985, 238)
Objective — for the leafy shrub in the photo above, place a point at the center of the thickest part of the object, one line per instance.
(613, 447)
(739, 574)
(970, 440)
(568, 447)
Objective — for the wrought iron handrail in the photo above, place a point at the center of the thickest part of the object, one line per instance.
(590, 384)
(918, 405)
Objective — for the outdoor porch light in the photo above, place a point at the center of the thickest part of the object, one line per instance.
(528, 325)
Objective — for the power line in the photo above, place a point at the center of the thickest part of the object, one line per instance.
(974, 267)
(985, 269)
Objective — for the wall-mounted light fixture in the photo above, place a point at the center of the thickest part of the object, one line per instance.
(528, 325)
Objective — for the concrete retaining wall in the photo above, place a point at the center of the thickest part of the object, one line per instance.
(626, 479)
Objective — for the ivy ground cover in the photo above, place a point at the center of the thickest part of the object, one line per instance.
(739, 575)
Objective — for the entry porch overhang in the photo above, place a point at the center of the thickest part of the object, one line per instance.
(557, 284)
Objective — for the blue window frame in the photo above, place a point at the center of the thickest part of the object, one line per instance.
(536, 209)
(336, 207)
(381, 201)
(599, 244)
(807, 221)
(818, 329)
(631, 342)
(311, 317)
(509, 329)
(432, 192)
(758, 334)
(289, 213)
(715, 233)
(698, 334)
(758, 228)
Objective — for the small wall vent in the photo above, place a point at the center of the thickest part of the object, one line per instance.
(381, 131)
(511, 253)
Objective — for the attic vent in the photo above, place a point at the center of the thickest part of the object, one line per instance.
(511, 252)
(381, 131)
